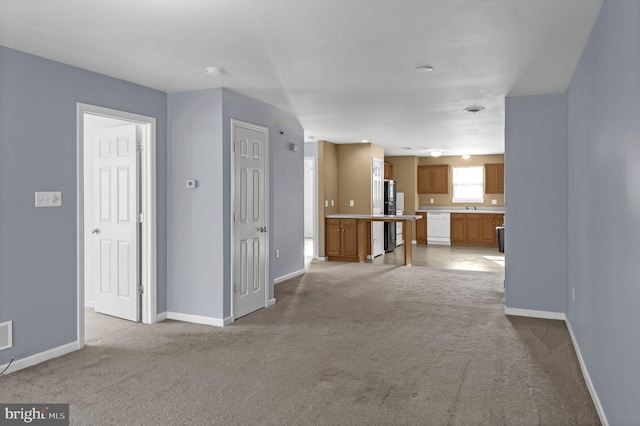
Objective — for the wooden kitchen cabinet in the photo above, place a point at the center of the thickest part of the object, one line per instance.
(341, 239)
(421, 228)
(388, 170)
(475, 229)
(433, 179)
(494, 178)
(488, 225)
(465, 229)
(458, 229)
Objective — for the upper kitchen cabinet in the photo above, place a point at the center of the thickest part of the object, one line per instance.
(433, 179)
(388, 170)
(494, 178)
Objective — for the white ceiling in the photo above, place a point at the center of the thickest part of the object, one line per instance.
(344, 68)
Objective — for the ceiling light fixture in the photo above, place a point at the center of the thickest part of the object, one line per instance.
(474, 109)
(365, 141)
(406, 147)
(466, 157)
(436, 153)
(424, 68)
(214, 70)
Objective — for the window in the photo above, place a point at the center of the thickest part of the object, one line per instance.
(468, 185)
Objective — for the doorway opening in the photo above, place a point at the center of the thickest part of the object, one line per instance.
(310, 210)
(116, 215)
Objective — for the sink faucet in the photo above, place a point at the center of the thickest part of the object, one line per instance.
(474, 207)
(466, 206)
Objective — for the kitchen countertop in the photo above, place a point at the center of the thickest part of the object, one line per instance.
(450, 209)
(372, 216)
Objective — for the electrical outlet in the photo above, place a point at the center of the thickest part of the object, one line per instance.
(351, 203)
(432, 201)
(494, 201)
(573, 294)
(277, 253)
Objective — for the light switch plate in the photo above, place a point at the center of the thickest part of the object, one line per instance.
(326, 203)
(48, 199)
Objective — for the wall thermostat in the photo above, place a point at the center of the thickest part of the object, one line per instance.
(192, 183)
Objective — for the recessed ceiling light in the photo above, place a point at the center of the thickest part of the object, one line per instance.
(424, 68)
(214, 70)
(466, 157)
(436, 153)
(474, 109)
(365, 140)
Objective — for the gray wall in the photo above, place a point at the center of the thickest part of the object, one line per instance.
(536, 192)
(311, 149)
(604, 208)
(196, 216)
(38, 281)
(200, 238)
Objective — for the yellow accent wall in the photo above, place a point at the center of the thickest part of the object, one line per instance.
(344, 174)
(327, 186)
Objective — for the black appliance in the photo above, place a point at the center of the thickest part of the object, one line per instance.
(389, 209)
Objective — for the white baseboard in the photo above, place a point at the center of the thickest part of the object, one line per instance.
(40, 357)
(161, 317)
(197, 319)
(585, 373)
(320, 259)
(271, 302)
(535, 314)
(414, 242)
(289, 276)
(89, 304)
(587, 377)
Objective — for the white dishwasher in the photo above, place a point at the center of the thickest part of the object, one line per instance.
(439, 228)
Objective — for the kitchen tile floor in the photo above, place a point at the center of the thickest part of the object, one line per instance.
(443, 257)
(448, 257)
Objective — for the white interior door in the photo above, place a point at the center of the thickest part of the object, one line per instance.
(377, 228)
(113, 255)
(250, 243)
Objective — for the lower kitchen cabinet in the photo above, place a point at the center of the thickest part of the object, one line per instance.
(475, 229)
(421, 228)
(341, 239)
(465, 229)
(488, 225)
(458, 228)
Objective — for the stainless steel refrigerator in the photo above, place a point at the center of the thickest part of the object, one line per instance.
(389, 209)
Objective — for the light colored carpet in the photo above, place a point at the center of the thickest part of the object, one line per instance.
(346, 344)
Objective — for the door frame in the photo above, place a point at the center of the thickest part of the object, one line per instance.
(148, 240)
(268, 283)
(314, 201)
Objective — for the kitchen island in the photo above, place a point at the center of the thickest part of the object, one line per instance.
(346, 235)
